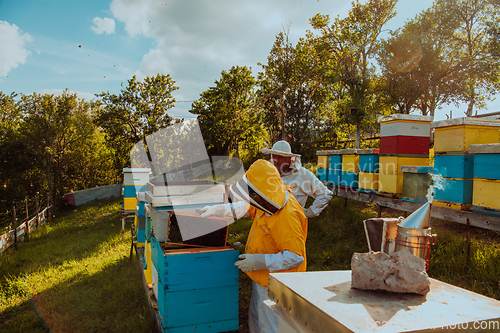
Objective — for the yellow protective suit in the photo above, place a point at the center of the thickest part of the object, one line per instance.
(285, 230)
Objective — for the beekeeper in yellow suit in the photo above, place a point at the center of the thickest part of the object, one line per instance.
(277, 239)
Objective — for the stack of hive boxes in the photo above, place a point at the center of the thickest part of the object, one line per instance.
(486, 178)
(334, 167)
(368, 170)
(322, 167)
(194, 279)
(140, 219)
(350, 168)
(147, 264)
(196, 286)
(404, 141)
(134, 181)
(453, 163)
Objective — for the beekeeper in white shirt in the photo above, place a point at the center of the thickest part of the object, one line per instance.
(305, 183)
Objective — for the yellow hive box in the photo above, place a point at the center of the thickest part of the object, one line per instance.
(390, 183)
(485, 193)
(368, 181)
(457, 134)
(129, 203)
(452, 205)
(148, 271)
(350, 163)
(323, 162)
(391, 165)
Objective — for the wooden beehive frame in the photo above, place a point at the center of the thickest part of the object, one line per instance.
(224, 222)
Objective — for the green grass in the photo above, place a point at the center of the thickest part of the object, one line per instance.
(75, 273)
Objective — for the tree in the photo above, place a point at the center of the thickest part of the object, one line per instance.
(444, 55)
(350, 43)
(419, 68)
(227, 118)
(293, 91)
(472, 41)
(138, 111)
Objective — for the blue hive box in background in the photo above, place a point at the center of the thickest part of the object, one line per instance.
(334, 176)
(486, 178)
(368, 160)
(322, 174)
(454, 166)
(454, 191)
(349, 179)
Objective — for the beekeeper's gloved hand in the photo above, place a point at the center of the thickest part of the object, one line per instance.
(309, 213)
(251, 262)
(218, 210)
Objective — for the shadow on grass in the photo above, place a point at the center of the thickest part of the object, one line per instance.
(21, 319)
(112, 300)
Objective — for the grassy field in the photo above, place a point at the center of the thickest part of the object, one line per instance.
(74, 275)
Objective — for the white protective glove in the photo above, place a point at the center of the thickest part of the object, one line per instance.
(218, 210)
(309, 213)
(251, 262)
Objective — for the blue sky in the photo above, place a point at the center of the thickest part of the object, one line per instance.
(94, 45)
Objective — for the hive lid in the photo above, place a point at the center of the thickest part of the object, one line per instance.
(368, 151)
(487, 121)
(327, 152)
(136, 170)
(404, 117)
(419, 219)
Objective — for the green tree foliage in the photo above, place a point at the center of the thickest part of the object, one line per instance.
(229, 123)
(419, 68)
(471, 40)
(293, 92)
(350, 43)
(138, 111)
(49, 143)
(444, 55)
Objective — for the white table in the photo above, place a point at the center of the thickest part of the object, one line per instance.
(325, 302)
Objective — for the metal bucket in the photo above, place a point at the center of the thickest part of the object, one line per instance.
(418, 241)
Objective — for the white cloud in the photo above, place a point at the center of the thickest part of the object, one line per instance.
(103, 25)
(195, 43)
(13, 51)
(152, 63)
(80, 94)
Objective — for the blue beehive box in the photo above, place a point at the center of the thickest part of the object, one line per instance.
(334, 176)
(335, 162)
(487, 166)
(453, 190)
(322, 174)
(349, 179)
(141, 230)
(368, 160)
(197, 288)
(454, 166)
(130, 191)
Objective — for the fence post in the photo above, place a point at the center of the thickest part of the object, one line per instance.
(27, 228)
(15, 226)
(48, 207)
(37, 212)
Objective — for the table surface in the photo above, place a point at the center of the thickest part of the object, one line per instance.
(324, 301)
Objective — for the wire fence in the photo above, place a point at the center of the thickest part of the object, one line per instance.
(25, 218)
